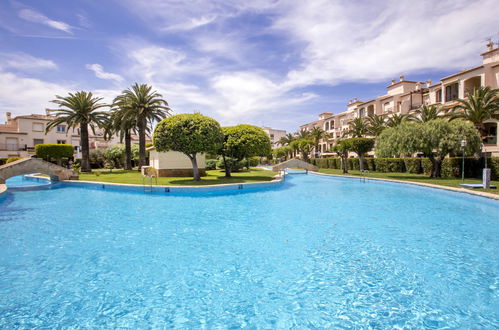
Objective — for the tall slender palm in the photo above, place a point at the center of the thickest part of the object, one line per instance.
(302, 134)
(317, 134)
(426, 113)
(286, 141)
(123, 126)
(376, 124)
(145, 106)
(396, 119)
(358, 127)
(79, 110)
(480, 105)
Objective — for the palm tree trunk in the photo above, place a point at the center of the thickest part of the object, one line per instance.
(195, 169)
(128, 150)
(361, 162)
(142, 142)
(85, 149)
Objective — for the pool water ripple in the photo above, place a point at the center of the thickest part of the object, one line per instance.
(317, 252)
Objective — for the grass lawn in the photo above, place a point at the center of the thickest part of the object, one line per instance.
(212, 177)
(417, 178)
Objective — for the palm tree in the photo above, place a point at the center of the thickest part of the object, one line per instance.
(145, 107)
(79, 109)
(358, 127)
(376, 124)
(302, 134)
(118, 123)
(317, 134)
(286, 141)
(426, 113)
(396, 120)
(480, 105)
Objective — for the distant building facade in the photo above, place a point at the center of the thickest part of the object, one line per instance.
(405, 96)
(275, 135)
(19, 136)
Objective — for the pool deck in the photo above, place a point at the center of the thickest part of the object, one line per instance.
(461, 190)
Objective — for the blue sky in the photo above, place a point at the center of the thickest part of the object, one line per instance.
(274, 63)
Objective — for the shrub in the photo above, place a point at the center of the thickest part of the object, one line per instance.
(96, 158)
(211, 164)
(413, 165)
(426, 166)
(236, 166)
(369, 164)
(2, 161)
(54, 151)
(493, 164)
(353, 163)
(253, 161)
(387, 165)
(12, 159)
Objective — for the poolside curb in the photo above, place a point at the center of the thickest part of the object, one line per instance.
(460, 190)
(174, 189)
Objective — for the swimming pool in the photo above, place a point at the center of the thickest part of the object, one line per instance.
(22, 181)
(315, 252)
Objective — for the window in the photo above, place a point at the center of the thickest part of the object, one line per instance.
(37, 127)
(362, 112)
(61, 129)
(326, 127)
(61, 141)
(37, 141)
(331, 125)
(438, 95)
(451, 92)
(387, 107)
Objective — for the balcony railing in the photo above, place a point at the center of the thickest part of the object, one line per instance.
(13, 147)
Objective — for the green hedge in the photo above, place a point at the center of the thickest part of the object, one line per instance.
(451, 167)
(386, 165)
(57, 151)
(413, 165)
(211, 164)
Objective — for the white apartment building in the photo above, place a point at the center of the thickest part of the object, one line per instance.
(19, 136)
(275, 135)
(405, 96)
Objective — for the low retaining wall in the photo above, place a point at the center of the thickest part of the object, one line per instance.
(231, 187)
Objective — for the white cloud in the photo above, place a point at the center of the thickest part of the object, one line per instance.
(21, 95)
(36, 17)
(100, 73)
(373, 41)
(24, 62)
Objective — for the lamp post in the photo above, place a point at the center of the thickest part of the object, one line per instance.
(463, 145)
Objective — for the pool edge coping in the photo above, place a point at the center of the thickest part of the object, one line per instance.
(429, 185)
(277, 179)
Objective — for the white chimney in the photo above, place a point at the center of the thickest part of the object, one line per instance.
(393, 81)
(9, 116)
(401, 78)
(428, 83)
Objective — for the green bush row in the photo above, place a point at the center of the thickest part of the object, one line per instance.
(56, 151)
(451, 167)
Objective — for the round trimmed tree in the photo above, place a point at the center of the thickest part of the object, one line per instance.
(361, 145)
(243, 141)
(189, 134)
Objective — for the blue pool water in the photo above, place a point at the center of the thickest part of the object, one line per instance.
(22, 181)
(317, 252)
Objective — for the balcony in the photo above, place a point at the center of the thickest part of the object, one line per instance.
(13, 147)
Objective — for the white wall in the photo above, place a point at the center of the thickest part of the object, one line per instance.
(172, 160)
